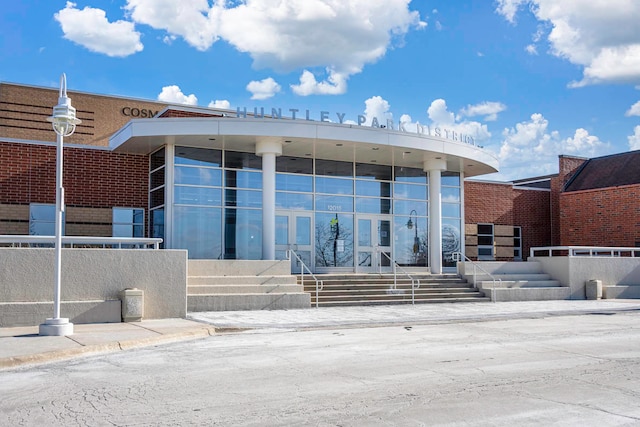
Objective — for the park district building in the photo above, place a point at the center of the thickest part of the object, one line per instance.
(251, 184)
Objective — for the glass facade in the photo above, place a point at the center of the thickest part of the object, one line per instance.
(127, 222)
(346, 215)
(42, 219)
(451, 217)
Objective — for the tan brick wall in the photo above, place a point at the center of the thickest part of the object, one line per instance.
(504, 253)
(504, 241)
(471, 252)
(94, 215)
(503, 230)
(471, 229)
(14, 219)
(14, 212)
(21, 228)
(96, 230)
(24, 111)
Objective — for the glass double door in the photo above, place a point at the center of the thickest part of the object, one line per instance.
(374, 252)
(294, 232)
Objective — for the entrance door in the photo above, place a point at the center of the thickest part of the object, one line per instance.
(374, 244)
(293, 231)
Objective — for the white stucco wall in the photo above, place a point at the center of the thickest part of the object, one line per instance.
(575, 271)
(27, 275)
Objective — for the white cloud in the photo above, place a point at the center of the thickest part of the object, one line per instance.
(336, 84)
(509, 8)
(531, 49)
(285, 35)
(634, 140)
(619, 64)
(440, 116)
(90, 28)
(193, 20)
(263, 89)
(220, 103)
(634, 110)
(173, 95)
(439, 113)
(488, 109)
(601, 36)
(379, 108)
(532, 149)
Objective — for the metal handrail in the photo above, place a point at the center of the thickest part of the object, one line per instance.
(459, 256)
(319, 283)
(395, 275)
(591, 251)
(71, 241)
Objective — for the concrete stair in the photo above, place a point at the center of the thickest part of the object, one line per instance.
(231, 285)
(378, 289)
(515, 281)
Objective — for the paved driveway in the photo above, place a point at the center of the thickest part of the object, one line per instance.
(571, 370)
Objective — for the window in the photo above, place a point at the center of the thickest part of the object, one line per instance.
(42, 219)
(128, 222)
(517, 243)
(485, 242)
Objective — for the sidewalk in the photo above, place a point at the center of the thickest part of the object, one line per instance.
(23, 346)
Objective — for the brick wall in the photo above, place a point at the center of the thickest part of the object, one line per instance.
(505, 207)
(601, 217)
(488, 203)
(24, 111)
(567, 167)
(92, 178)
(532, 212)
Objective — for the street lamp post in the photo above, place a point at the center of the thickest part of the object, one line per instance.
(416, 241)
(64, 123)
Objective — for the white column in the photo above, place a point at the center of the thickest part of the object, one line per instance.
(268, 150)
(435, 167)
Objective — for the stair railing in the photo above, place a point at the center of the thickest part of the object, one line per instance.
(459, 256)
(415, 282)
(303, 266)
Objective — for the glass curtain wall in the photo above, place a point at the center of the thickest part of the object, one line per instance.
(216, 191)
(197, 197)
(410, 207)
(451, 217)
(156, 194)
(243, 206)
(217, 205)
(334, 208)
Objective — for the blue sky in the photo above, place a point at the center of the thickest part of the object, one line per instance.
(530, 80)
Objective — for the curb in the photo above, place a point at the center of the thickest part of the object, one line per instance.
(89, 350)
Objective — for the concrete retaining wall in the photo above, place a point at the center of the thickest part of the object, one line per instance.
(575, 271)
(90, 277)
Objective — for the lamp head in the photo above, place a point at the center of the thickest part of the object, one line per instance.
(409, 224)
(64, 119)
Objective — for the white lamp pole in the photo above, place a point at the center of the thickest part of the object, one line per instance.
(64, 124)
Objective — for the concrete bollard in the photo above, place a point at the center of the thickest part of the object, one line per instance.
(132, 304)
(593, 289)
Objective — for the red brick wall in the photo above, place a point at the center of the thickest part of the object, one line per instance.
(602, 217)
(567, 167)
(532, 212)
(501, 204)
(488, 203)
(91, 178)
